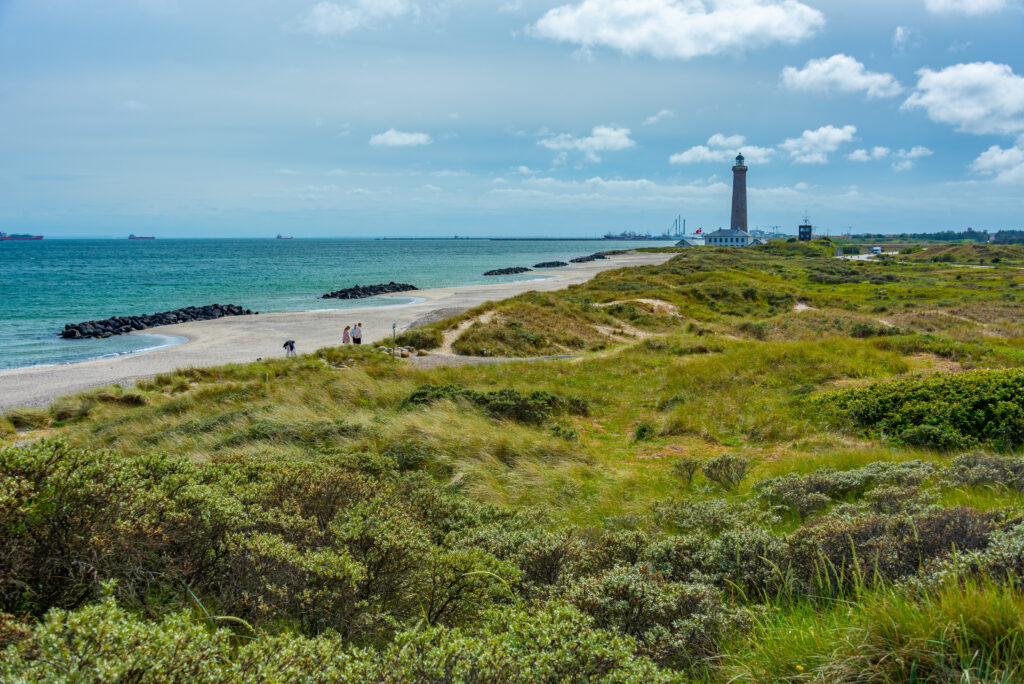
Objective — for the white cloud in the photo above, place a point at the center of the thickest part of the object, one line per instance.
(901, 37)
(905, 159)
(843, 73)
(679, 29)
(393, 138)
(980, 97)
(813, 147)
(915, 152)
(964, 6)
(1005, 165)
(601, 139)
(655, 118)
(875, 154)
(719, 140)
(723, 148)
(335, 19)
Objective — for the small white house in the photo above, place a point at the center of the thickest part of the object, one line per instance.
(730, 238)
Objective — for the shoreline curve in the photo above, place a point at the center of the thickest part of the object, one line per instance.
(243, 339)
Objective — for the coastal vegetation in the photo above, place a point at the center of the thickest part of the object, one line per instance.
(763, 464)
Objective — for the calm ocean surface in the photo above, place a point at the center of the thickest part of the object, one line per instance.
(45, 284)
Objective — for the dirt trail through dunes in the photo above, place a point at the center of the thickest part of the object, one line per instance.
(451, 335)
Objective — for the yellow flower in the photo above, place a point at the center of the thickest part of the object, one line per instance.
(799, 668)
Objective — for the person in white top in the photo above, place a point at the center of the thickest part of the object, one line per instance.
(357, 334)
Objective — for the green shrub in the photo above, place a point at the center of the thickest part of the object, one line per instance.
(942, 410)
(726, 471)
(862, 330)
(710, 516)
(685, 468)
(802, 495)
(645, 430)
(103, 642)
(567, 433)
(421, 338)
(940, 438)
(977, 470)
(835, 554)
(675, 624)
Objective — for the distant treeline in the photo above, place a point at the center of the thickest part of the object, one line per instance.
(1002, 237)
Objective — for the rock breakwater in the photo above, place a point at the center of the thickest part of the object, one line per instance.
(550, 264)
(590, 257)
(363, 291)
(119, 325)
(508, 271)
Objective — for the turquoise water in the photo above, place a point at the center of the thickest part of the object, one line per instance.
(45, 284)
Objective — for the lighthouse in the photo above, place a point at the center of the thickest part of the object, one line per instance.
(739, 195)
(737, 235)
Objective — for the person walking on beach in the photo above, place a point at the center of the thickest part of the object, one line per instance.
(357, 334)
(345, 336)
(289, 348)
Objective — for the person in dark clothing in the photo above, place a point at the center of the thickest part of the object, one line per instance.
(289, 348)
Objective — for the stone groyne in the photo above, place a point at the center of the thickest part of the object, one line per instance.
(363, 291)
(119, 325)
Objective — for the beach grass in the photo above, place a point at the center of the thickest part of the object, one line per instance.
(705, 489)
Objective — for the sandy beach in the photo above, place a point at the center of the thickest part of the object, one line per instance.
(246, 338)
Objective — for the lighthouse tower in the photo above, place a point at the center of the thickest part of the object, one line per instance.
(739, 195)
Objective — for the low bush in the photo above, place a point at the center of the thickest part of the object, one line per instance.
(981, 407)
(836, 554)
(802, 495)
(987, 470)
(103, 642)
(674, 624)
(567, 433)
(421, 338)
(685, 469)
(863, 329)
(726, 471)
(644, 431)
(709, 516)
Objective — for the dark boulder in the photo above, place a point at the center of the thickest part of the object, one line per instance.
(550, 264)
(363, 291)
(508, 271)
(590, 257)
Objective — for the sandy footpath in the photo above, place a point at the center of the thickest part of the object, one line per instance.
(246, 338)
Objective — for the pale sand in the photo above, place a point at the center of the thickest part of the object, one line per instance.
(245, 338)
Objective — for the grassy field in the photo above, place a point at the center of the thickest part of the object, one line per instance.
(760, 465)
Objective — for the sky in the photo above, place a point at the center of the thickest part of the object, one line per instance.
(370, 118)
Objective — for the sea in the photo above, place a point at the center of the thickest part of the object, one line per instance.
(48, 283)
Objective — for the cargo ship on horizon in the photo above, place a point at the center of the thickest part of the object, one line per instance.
(133, 236)
(19, 236)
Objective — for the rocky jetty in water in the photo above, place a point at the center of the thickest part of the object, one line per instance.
(119, 325)
(550, 264)
(590, 257)
(363, 291)
(508, 271)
